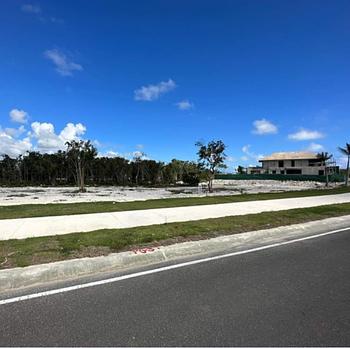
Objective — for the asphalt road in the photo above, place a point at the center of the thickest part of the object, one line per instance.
(291, 295)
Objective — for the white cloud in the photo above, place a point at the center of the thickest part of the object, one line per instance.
(140, 146)
(72, 131)
(64, 66)
(30, 8)
(110, 154)
(184, 105)
(15, 132)
(264, 126)
(48, 141)
(96, 143)
(36, 11)
(137, 154)
(315, 147)
(13, 147)
(56, 20)
(131, 156)
(153, 92)
(42, 136)
(19, 116)
(304, 134)
(245, 148)
(248, 154)
(230, 159)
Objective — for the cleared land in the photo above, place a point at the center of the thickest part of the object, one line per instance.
(58, 209)
(43, 195)
(19, 253)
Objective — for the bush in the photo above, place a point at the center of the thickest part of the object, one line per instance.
(191, 179)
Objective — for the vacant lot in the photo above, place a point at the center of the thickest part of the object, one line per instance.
(43, 195)
(56, 209)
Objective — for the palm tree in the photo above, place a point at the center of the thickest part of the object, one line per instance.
(346, 151)
(324, 157)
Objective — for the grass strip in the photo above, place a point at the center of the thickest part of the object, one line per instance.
(57, 209)
(30, 251)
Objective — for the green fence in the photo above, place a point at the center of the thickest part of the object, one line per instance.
(281, 177)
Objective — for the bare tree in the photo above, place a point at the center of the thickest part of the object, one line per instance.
(80, 154)
(212, 157)
(346, 151)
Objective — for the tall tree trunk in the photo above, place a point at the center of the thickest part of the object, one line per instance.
(211, 178)
(137, 175)
(327, 179)
(347, 172)
(81, 175)
(77, 172)
(82, 182)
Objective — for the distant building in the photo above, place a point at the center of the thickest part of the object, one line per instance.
(255, 170)
(298, 163)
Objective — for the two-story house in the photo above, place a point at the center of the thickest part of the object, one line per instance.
(302, 163)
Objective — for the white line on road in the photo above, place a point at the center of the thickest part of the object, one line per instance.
(161, 269)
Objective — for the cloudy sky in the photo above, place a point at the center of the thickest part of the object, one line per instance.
(157, 76)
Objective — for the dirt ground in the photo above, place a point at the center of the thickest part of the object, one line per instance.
(36, 195)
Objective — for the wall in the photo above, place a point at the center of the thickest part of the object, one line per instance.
(320, 178)
(303, 165)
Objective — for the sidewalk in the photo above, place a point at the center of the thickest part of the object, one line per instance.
(53, 225)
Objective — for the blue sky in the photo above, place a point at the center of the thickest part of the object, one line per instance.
(156, 76)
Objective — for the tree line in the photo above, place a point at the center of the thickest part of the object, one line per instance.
(57, 169)
(79, 165)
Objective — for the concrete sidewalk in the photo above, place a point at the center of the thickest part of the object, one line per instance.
(53, 225)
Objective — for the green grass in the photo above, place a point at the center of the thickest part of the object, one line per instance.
(55, 209)
(19, 253)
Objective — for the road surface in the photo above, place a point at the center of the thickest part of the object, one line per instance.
(289, 295)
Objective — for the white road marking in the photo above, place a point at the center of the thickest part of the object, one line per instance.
(161, 269)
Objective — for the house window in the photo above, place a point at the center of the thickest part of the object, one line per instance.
(315, 162)
(273, 172)
(321, 172)
(292, 163)
(282, 171)
(281, 164)
(294, 171)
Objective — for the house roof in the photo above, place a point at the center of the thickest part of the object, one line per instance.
(289, 156)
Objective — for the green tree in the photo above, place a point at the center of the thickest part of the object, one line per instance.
(240, 169)
(211, 156)
(324, 157)
(346, 151)
(138, 157)
(80, 153)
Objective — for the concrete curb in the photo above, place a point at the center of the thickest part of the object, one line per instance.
(22, 277)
